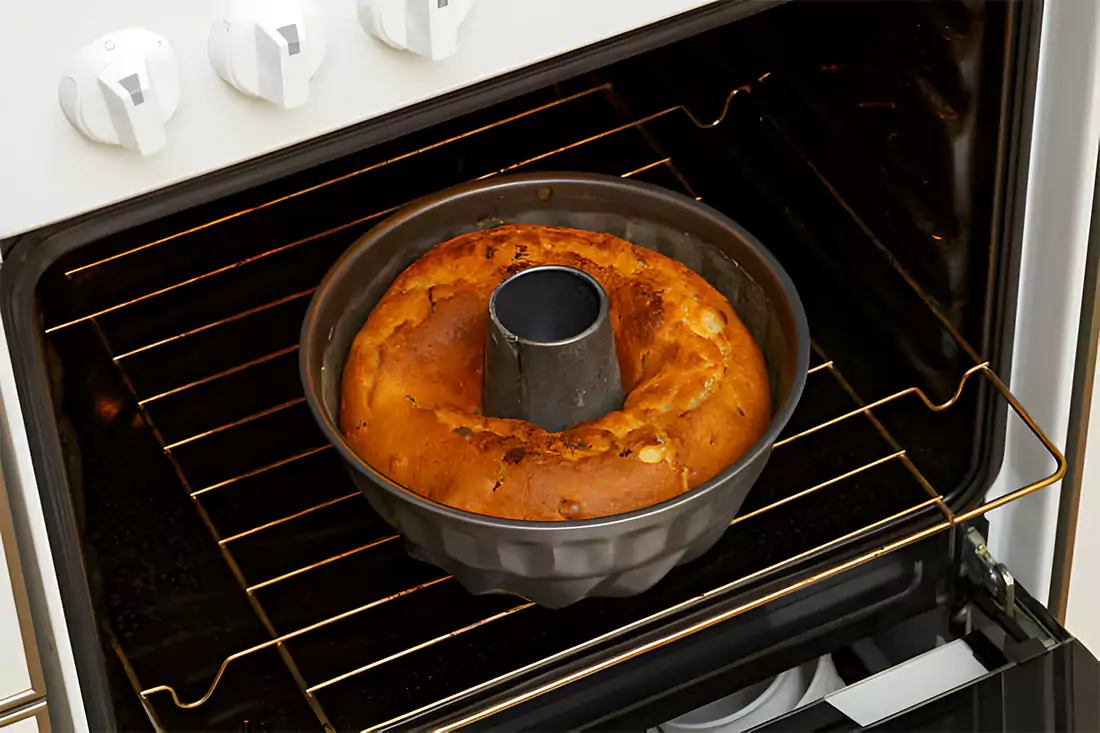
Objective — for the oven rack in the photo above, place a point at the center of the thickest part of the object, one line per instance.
(950, 520)
(935, 499)
(198, 493)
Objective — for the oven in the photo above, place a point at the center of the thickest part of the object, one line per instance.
(191, 553)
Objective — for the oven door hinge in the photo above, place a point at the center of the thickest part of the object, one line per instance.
(984, 571)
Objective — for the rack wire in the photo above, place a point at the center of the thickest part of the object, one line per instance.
(202, 491)
(950, 519)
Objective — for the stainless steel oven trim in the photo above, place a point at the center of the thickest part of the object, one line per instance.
(1088, 342)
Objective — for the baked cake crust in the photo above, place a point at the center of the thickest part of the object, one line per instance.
(697, 391)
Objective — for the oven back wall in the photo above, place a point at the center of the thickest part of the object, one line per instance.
(216, 126)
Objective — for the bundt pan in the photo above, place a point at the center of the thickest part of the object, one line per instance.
(558, 563)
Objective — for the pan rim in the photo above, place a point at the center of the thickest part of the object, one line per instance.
(311, 331)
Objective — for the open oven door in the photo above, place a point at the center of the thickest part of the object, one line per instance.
(984, 656)
(1052, 690)
(1018, 672)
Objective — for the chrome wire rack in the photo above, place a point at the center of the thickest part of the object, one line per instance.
(233, 344)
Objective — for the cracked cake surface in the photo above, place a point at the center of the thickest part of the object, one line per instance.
(697, 391)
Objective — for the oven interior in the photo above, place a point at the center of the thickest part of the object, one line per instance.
(228, 554)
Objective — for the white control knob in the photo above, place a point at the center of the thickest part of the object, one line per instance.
(426, 27)
(122, 88)
(269, 49)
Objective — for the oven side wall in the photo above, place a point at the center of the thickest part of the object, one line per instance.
(1065, 135)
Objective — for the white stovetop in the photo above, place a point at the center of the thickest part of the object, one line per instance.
(52, 172)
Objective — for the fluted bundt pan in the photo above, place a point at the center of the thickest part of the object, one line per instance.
(558, 563)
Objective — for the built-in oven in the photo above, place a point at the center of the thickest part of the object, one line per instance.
(194, 554)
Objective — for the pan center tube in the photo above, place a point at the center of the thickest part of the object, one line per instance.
(549, 349)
